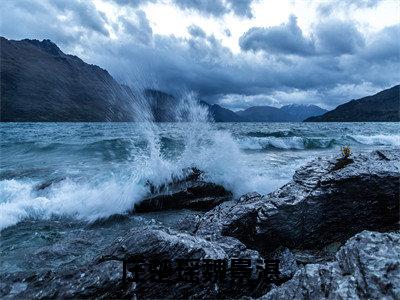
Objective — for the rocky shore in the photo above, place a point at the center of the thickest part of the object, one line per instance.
(334, 228)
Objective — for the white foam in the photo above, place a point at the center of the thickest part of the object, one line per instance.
(285, 143)
(68, 198)
(213, 151)
(379, 140)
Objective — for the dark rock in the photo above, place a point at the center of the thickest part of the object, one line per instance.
(160, 243)
(189, 192)
(366, 267)
(318, 207)
(218, 220)
(341, 163)
(102, 281)
(103, 277)
(287, 263)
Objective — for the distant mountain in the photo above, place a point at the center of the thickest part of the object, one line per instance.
(221, 114)
(300, 112)
(263, 114)
(41, 83)
(287, 113)
(381, 107)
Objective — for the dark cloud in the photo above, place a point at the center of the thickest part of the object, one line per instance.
(217, 8)
(132, 3)
(196, 31)
(384, 47)
(208, 7)
(326, 8)
(331, 37)
(140, 30)
(283, 39)
(296, 69)
(83, 13)
(241, 7)
(338, 37)
(214, 8)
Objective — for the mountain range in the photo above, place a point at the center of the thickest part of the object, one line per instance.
(41, 83)
(381, 107)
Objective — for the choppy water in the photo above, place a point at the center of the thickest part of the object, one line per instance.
(94, 170)
(56, 179)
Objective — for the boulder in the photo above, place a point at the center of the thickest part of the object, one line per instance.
(323, 204)
(102, 277)
(366, 267)
(188, 191)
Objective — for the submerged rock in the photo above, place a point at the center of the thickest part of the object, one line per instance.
(321, 205)
(366, 267)
(189, 192)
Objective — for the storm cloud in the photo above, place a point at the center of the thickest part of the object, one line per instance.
(334, 62)
(286, 39)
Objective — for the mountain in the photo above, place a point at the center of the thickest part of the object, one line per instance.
(162, 105)
(221, 114)
(381, 107)
(41, 83)
(300, 112)
(287, 113)
(263, 114)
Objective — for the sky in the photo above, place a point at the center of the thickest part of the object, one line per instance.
(237, 53)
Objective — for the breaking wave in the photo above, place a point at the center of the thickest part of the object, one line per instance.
(124, 166)
(378, 139)
(286, 143)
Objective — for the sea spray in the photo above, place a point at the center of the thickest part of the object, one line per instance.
(90, 171)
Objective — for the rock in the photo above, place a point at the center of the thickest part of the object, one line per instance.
(218, 220)
(287, 264)
(102, 278)
(366, 267)
(318, 207)
(101, 281)
(160, 243)
(189, 192)
(157, 242)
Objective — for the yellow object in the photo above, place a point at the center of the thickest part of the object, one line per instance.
(346, 151)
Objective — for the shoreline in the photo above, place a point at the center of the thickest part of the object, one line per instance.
(255, 226)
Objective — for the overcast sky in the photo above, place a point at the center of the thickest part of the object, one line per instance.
(237, 53)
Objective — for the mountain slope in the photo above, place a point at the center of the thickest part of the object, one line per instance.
(264, 114)
(221, 114)
(41, 83)
(381, 107)
(300, 112)
(287, 113)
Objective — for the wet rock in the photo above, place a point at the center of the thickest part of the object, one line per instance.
(239, 212)
(287, 263)
(188, 191)
(319, 206)
(102, 278)
(156, 242)
(366, 267)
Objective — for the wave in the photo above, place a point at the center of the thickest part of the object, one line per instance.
(377, 140)
(91, 198)
(68, 198)
(286, 143)
(278, 134)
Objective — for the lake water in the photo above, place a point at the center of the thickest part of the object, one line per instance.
(59, 181)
